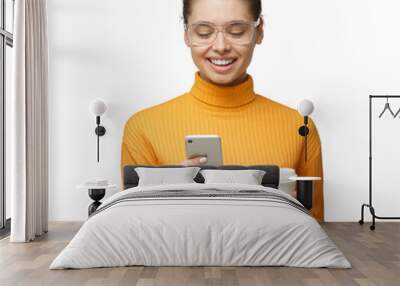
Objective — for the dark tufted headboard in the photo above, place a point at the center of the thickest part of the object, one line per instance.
(270, 179)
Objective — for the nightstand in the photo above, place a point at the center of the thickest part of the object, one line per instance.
(304, 189)
(96, 193)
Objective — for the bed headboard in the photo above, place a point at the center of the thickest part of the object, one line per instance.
(270, 179)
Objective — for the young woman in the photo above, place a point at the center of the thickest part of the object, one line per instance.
(222, 35)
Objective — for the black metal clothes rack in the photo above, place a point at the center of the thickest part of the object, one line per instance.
(370, 205)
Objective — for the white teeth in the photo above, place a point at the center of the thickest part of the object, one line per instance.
(222, 62)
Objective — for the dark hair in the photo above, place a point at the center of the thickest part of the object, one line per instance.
(255, 9)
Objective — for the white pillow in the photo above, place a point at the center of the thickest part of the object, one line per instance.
(249, 177)
(284, 183)
(160, 176)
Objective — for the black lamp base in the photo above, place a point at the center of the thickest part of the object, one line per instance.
(303, 131)
(100, 130)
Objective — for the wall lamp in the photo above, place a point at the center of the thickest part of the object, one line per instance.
(97, 107)
(305, 108)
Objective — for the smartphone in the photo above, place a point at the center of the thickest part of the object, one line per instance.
(204, 145)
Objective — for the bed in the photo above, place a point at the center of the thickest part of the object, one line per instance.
(201, 224)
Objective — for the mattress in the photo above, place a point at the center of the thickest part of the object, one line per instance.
(201, 225)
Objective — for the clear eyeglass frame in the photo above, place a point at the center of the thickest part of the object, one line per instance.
(221, 28)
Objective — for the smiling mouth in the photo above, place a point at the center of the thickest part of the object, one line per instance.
(221, 62)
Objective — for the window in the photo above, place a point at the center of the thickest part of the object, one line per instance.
(6, 44)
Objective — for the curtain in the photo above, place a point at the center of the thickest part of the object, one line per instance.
(29, 122)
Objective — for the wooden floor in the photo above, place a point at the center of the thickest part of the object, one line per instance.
(374, 255)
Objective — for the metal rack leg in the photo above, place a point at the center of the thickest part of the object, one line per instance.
(374, 216)
(361, 221)
(372, 210)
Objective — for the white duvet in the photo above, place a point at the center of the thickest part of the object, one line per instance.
(200, 231)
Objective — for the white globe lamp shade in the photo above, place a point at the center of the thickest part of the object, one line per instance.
(97, 107)
(305, 107)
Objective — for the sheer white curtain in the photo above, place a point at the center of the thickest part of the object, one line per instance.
(29, 122)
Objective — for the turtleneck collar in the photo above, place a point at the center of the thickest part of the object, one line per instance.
(223, 96)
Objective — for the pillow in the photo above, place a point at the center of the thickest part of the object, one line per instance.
(249, 177)
(160, 176)
(284, 183)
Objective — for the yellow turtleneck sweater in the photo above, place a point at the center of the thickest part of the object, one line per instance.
(253, 130)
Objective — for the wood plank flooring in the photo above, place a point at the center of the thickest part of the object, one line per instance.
(375, 257)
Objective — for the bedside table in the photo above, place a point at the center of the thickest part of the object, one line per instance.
(304, 189)
(96, 193)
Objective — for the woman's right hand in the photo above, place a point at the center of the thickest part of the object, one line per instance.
(200, 160)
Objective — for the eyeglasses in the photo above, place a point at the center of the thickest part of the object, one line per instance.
(236, 32)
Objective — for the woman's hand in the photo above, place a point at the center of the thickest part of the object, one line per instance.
(195, 161)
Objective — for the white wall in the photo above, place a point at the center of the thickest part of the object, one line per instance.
(132, 54)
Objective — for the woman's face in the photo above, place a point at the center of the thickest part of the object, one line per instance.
(220, 12)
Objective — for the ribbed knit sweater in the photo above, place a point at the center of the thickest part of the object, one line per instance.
(253, 129)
